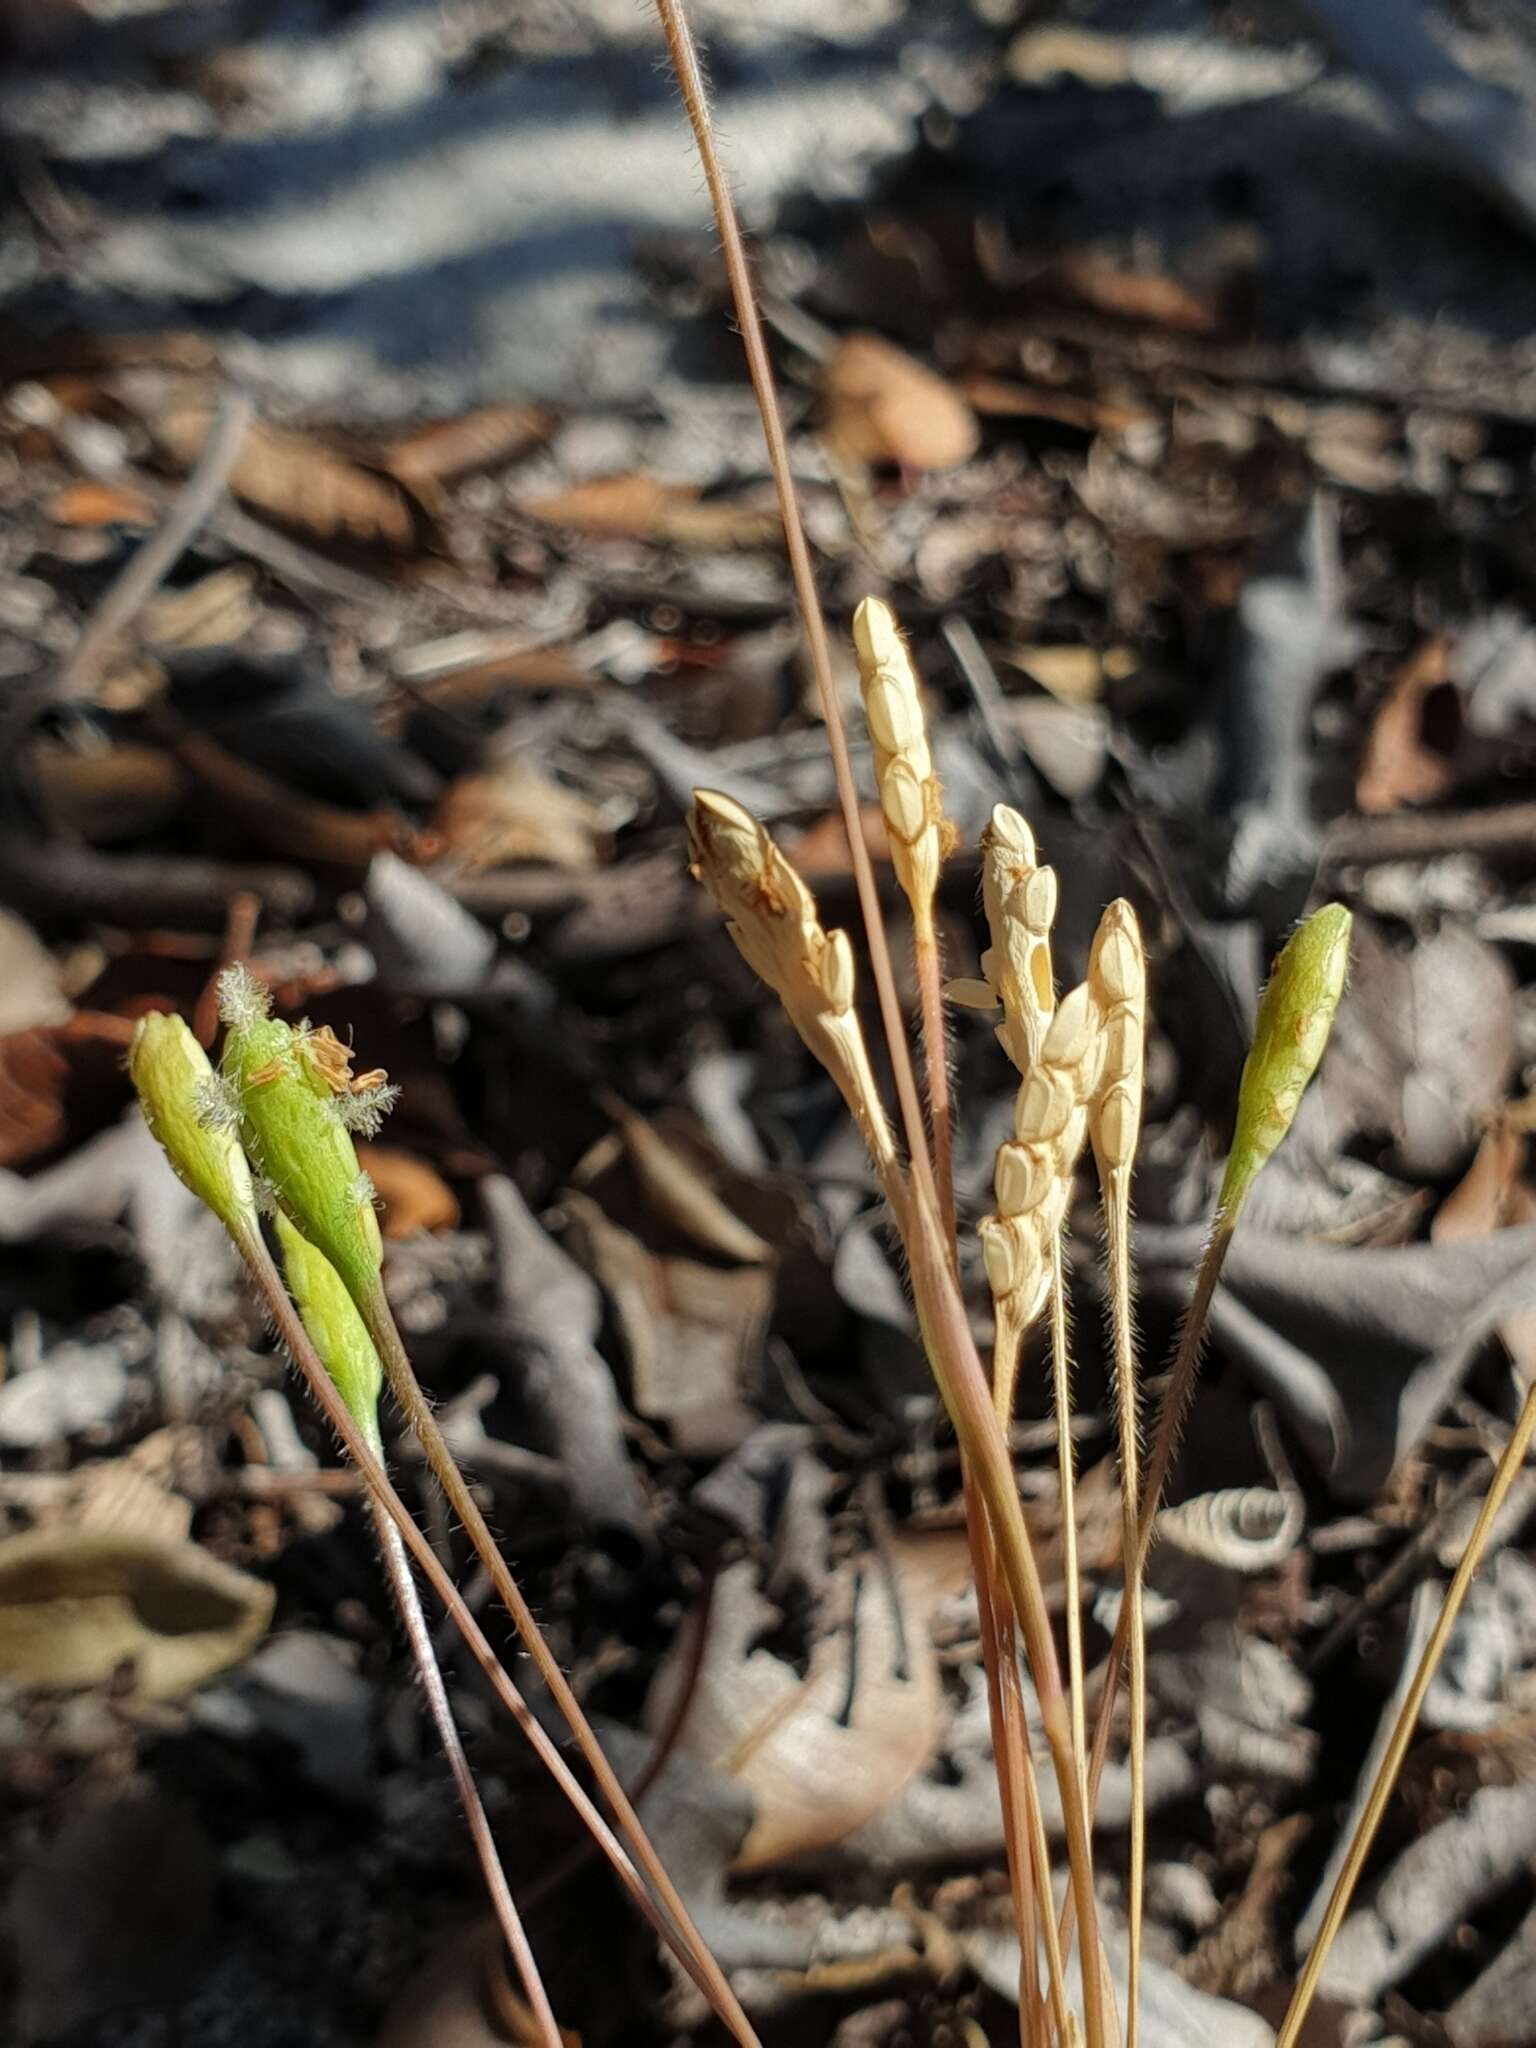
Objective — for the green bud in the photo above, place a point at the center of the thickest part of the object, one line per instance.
(290, 1091)
(335, 1328)
(178, 1093)
(1296, 1013)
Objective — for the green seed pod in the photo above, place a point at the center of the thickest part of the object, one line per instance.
(335, 1328)
(291, 1091)
(1296, 1014)
(178, 1093)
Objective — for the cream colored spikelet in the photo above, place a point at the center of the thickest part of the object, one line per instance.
(1117, 982)
(1033, 1176)
(911, 801)
(773, 919)
(1018, 896)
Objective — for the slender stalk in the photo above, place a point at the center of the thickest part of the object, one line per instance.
(1509, 1465)
(417, 1411)
(930, 984)
(1123, 1340)
(695, 95)
(407, 1601)
(999, 1656)
(682, 1938)
(1066, 1468)
(1181, 1387)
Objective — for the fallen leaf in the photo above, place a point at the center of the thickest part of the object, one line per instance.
(414, 1195)
(1408, 749)
(1495, 1194)
(677, 1189)
(299, 482)
(825, 1752)
(514, 812)
(88, 503)
(633, 507)
(76, 1603)
(216, 611)
(692, 1333)
(445, 449)
(1109, 285)
(115, 793)
(883, 406)
(822, 849)
(1002, 398)
(33, 1077)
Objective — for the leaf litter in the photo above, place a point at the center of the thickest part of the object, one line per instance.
(435, 692)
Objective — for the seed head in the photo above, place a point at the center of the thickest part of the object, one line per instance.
(296, 1134)
(910, 798)
(1296, 1013)
(1117, 979)
(1019, 898)
(178, 1093)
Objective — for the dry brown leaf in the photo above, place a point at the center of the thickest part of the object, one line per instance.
(415, 1195)
(883, 406)
(77, 1603)
(693, 1333)
(1005, 399)
(643, 508)
(515, 813)
(1110, 285)
(88, 503)
(1399, 766)
(823, 1753)
(445, 449)
(299, 482)
(33, 1077)
(1495, 1194)
(677, 1190)
(217, 610)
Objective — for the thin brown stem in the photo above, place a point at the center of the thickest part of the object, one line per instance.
(1508, 1469)
(1181, 1387)
(1123, 1343)
(417, 1411)
(694, 1958)
(402, 1586)
(935, 1037)
(695, 94)
(1066, 1469)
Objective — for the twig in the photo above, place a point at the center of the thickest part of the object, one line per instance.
(1504, 1477)
(142, 574)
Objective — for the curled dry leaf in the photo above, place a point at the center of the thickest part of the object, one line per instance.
(824, 1753)
(1400, 764)
(298, 482)
(89, 503)
(414, 1195)
(882, 406)
(643, 508)
(77, 1603)
(679, 1192)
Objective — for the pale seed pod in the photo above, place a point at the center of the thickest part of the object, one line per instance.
(910, 799)
(1019, 899)
(1117, 980)
(772, 917)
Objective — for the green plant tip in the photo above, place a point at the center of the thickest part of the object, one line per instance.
(335, 1328)
(293, 1094)
(179, 1094)
(1296, 1013)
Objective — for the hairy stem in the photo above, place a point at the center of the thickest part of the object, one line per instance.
(407, 1601)
(417, 1411)
(1123, 1342)
(930, 983)
(680, 1937)
(1066, 1468)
